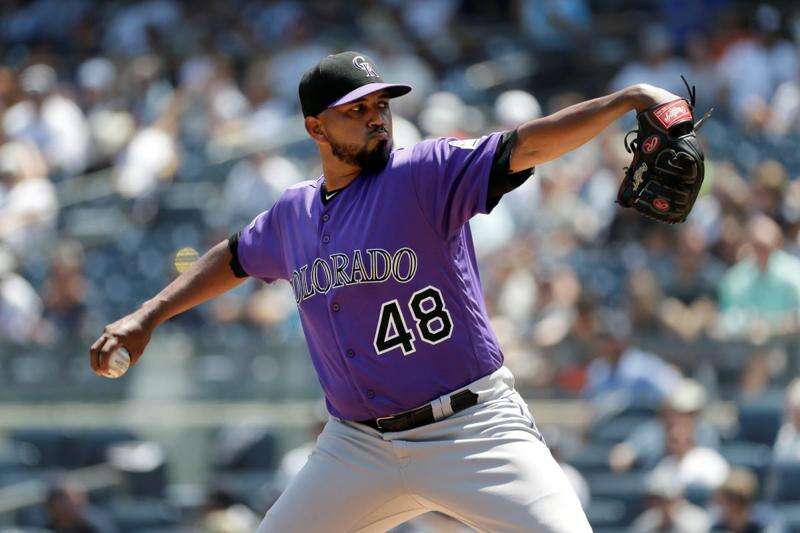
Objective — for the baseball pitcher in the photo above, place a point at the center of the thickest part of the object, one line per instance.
(378, 252)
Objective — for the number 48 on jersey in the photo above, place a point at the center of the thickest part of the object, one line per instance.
(433, 322)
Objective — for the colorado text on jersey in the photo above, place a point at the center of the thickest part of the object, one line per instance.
(338, 270)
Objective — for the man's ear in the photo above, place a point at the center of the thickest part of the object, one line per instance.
(315, 131)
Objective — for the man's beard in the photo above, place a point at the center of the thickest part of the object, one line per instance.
(369, 161)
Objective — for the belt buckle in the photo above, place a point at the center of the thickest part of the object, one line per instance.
(378, 421)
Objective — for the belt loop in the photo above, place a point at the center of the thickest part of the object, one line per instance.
(438, 408)
(447, 407)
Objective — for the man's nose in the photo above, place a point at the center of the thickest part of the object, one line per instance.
(376, 119)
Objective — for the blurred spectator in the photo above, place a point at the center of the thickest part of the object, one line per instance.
(444, 115)
(430, 19)
(701, 68)
(110, 124)
(648, 443)
(512, 108)
(255, 183)
(736, 501)
(644, 297)
(622, 374)
(69, 510)
(271, 308)
(657, 66)
(769, 181)
(49, 119)
(129, 30)
(64, 289)
(760, 295)
(559, 291)
(572, 351)
(689, 305)
(787, 443)
(784, 115)
(403, 65)
(50, 19)
(668, 511)
(289, 63)
(20, 306)
(751, 68)
(28, 201)
(695, 466)
(152, 155)
(555, 26)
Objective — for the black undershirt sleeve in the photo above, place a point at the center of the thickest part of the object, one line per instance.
(233, 246)
(501, 181)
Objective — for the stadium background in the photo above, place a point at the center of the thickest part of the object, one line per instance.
(130, 131)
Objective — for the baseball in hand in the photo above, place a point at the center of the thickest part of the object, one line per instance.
(118, 363)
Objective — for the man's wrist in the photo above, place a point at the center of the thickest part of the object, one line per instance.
(642, 96)
(150, 314)
(635, 98)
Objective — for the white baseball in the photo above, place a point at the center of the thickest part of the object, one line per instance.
(118, 363)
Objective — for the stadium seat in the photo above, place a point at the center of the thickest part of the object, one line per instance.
(168, 529)
(88, 447)
(619, 427)
(33, 369)
(591, 458)
(789, 515)
(246, 485)
(45, 445)
(142, 467)
(69, 449)
(21, 475)
(755, 457)
(603, 512)
(760, 418)
(784, 483)
(628, 488)
(243, 449)
(133, 516)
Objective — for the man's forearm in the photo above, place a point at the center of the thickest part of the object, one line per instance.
(209, 276)
(549, 137)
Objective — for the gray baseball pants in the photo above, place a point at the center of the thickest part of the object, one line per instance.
(486, 466)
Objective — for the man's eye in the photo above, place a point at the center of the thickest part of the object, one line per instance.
(357, 109)
(383, 105)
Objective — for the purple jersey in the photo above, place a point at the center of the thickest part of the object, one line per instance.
(385, 277)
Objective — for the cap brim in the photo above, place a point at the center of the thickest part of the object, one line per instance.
(394, 90)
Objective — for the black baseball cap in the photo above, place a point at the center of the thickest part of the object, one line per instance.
(342, 78)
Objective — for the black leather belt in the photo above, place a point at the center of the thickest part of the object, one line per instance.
(421, 415)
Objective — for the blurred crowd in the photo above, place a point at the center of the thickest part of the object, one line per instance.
(129, 130)
(118, 117)
(115, 116)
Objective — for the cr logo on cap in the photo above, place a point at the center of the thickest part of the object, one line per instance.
(361, 63)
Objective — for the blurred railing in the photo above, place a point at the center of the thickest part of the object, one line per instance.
(245, 363)
(193, 367)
